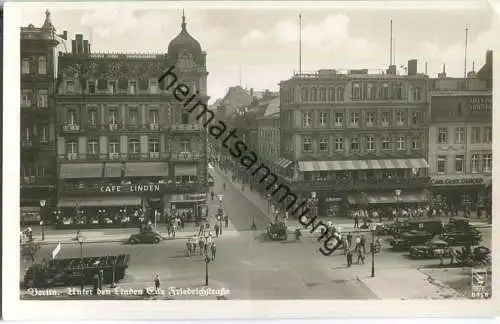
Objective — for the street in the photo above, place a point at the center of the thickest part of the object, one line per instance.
(249, 264)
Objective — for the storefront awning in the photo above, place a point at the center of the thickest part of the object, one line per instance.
(113, 170)
(185, 169)
(283, 163)
(80, 170)
(362, 165)
(360, 199)
(99, 202)
(145, 169)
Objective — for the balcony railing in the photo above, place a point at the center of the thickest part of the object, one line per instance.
(366, 184)
(71, 128)
(151, 156)
(185, 156)
(26, 143)
(186, 127)
(37, 180)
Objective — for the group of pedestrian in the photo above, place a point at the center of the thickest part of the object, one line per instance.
(201, 246)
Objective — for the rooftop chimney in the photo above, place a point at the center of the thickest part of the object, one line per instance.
(442, 75)
(73, 47)
(489, 57)
(79, 44)
(391, 70)
(85, 47)
(412, 67)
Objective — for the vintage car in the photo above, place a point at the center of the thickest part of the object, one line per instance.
(406, 240)
(428, 225)
(277, 231)
(430, 250)
(461, 238)
(480, 256)
(460, 224)
(145, 237)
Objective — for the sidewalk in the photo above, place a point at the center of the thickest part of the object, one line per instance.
(346, 224)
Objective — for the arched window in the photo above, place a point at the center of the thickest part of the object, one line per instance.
(340, 94)
(331, 94)
(314, 94)
(304, 96)
(322, 94)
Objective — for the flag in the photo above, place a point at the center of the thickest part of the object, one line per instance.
(55, 252)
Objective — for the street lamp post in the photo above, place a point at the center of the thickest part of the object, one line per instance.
(221, 213)
(314, 200)
(207, 259)
(80, 241)
(373, 250)
(42, 218)
(398, 193)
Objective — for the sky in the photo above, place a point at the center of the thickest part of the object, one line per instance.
(258, 46)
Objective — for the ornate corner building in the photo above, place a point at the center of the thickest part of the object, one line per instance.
(124, 141)
(37, 136)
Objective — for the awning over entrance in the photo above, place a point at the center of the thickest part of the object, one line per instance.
(80, 170)
(113, 170)
(362, 198)
(99, 202)
(145, 169)
(362, 165)
(283, 163)
(185, 169)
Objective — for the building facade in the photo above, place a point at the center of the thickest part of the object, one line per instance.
(38, 150)
(124, 139)
(460, 142)
(268, 133)
(356, 138)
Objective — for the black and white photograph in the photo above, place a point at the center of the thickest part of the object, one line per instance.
(177, 151)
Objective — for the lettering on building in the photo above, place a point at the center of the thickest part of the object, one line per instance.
(466, 181)
(480, 104)
(145, 188)
(110, 188)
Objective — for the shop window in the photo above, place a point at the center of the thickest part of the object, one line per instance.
(441, 164)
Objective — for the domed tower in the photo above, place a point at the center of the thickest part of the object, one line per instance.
(187, 134)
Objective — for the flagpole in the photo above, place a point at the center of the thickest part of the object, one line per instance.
(300, 44)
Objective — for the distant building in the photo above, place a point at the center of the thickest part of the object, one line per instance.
(356, 139)
(268, 132)
(460, 140)
(124, 141)
(38, 149)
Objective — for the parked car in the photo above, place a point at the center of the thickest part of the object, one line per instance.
(460, 224)
(145, 237)
(461, 238)
(428, 225)
(430, 250)
(406, 240)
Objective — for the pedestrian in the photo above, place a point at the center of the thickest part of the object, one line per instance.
(216, 229)
(212, 194)
(349, 258)
(453, 256)
(356, 221)
(156, 278)
(226, 220)
(349, 238)
(361, 257)
(213, 249)
(358, 244)
(362, 242)
(188, 248)
(345, 244)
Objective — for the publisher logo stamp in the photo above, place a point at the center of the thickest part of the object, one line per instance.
(480, 284)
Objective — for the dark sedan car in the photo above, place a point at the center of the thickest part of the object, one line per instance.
(145, 237)
(430, 250)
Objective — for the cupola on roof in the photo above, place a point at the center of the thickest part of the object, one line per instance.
(183, 41)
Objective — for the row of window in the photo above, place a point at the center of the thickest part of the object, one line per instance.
(133, 146)
(355, 174)
(268, 134)
(360, 91)
(41, 97)
(387, 118)
(41, 63)
(40, 132)
(478, 163)
(113, 116)
(371, 143)
(129, 87)
(30, 171)
(460, 135)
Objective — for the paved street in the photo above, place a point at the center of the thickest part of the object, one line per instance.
(252, 266)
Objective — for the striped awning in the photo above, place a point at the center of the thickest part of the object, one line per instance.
(283, 163)
(362, 165)
(80, 170)
(359, 199)
(145, 169)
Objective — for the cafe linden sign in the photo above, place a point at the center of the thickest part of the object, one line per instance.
(480, 104)
(462, 181)
(130, 188)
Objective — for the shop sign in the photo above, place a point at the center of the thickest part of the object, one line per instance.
(130, 188)
(480, 104)
(463, 181)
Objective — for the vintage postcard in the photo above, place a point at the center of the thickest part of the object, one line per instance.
(249, 157)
